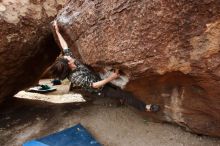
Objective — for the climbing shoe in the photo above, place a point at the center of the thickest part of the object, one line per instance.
(152, 107)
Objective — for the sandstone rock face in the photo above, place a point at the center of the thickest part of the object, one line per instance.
(168, 49)
(27, 46)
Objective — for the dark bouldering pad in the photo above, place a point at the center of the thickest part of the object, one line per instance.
(74, 136)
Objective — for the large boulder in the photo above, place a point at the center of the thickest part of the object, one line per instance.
(27, 46)
(170, 51)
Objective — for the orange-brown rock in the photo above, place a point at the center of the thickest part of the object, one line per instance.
(27, 46)
(170, 50)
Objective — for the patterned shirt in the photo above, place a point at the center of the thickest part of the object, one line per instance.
(82, 76)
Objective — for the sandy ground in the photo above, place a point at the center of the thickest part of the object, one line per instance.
(25, 119)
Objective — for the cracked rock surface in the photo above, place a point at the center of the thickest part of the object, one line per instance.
(168, 49)
(27, 46)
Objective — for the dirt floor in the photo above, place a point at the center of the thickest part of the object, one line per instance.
(23, 119)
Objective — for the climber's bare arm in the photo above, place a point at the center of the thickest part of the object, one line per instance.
(112, 77)
(60, 37)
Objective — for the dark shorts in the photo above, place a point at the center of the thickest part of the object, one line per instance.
(114, 92)
(127, 97)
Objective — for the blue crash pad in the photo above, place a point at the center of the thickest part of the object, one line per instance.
(74, 136)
